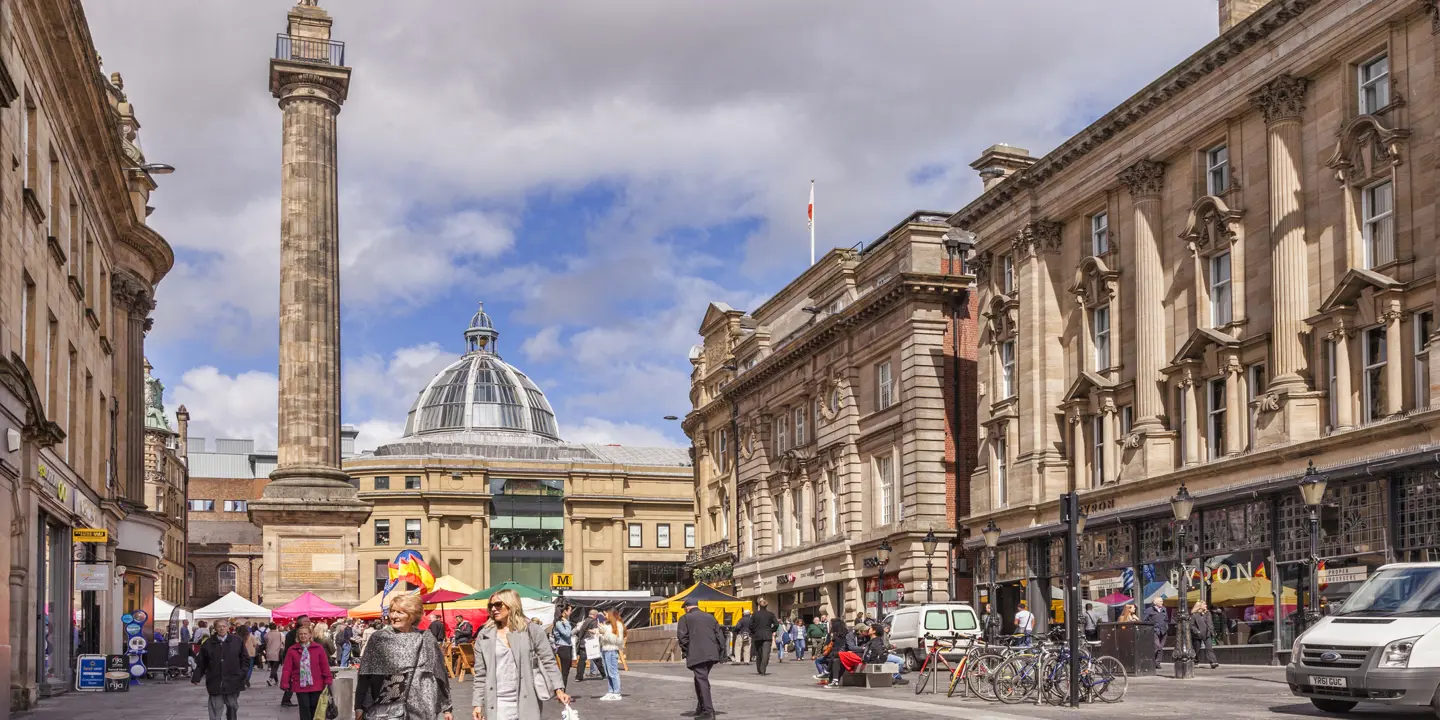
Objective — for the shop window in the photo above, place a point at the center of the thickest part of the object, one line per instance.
(1099, 234)
(412, 482)
(1374, 84)
(662, 535)
(1424, 323)
(1221, 309)
(1352, 521)
(1215, 418)
(1236, 527)
(412, 532)
(226, 578)
(1100, 335)
(1217, 170)
(1378, 224)
(884, 385)
(382, 532)
(1373, 385)
(637, 535)
(689, 536)
(1418, 495)
(382, 483)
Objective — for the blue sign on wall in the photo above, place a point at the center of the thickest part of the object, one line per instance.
(90, 672)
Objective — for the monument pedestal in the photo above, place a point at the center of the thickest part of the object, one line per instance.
(308, 531)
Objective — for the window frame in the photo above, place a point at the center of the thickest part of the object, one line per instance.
(662, 539)
(1373, 407)
(205, 505)
(884, 388)
(1097, 447)
(1007, 274)
(1217, 171)
(1332, 372)
(1000, 454)
(1222, 311)
(1007, 369)
(800, 424)
(635, 535)
(1376, 86)
(382, 482)
(1097, 335)
(1422, 325)
(777, 505)
(235, 506)
(412, 482)
(377, 528)
(1215, 417)
(1370, 220)
(883, 466)
(1254, 386)
(220, 581)
(689, 531)
(418, 530)
(1100, 233)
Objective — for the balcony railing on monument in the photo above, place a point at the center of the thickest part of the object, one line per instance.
(715, 549)
(310, 50)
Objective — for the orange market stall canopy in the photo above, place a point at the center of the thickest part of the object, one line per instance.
(712, 601)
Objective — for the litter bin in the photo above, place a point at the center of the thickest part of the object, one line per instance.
(1132, 643)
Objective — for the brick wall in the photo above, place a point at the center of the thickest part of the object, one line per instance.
(957, 485)
(207, 559)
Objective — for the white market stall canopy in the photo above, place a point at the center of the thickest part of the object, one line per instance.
(163, 610)
(231, 605)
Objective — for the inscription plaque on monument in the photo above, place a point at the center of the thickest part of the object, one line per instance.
(312, 562)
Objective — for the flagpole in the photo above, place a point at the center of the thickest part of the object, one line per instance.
(812, 222)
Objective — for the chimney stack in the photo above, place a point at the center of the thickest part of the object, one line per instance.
(1234, 12)
(182, 420)
(1001, 161)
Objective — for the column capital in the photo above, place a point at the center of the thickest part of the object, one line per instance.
(132, 294)
(1143, 179)
(1432, 8)
(1036, 237)
(1282, 98)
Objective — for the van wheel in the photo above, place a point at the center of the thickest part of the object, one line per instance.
(1333, 706)
(911, 662)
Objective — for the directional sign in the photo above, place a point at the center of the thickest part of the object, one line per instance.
(562, 581)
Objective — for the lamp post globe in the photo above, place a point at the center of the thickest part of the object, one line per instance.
(929, 544)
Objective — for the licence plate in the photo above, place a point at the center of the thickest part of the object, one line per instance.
(1326, 681)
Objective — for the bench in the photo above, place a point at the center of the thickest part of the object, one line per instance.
(874, 675)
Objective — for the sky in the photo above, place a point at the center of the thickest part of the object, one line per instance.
(595, 172)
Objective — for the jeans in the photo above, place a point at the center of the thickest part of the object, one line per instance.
(308, 701)
(345, 655)
(899, 664)
(227, 706)
(249, 669)
(612, 669)
(799, 648)
(822, 665)
(563, 654)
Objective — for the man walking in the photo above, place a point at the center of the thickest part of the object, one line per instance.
(185, 632)
(742, 638)
(763, 625)
(1093, 618)
(702, 645)
(288, 700)
(1156, 616)
(1025, 622)
(222, 665)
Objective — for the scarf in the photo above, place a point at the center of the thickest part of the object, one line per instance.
(415, 655)
(306, 678)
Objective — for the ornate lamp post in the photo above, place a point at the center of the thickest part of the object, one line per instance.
(1312, 490)
(1182, 505)
(929, 544)
(882, 556)
(992, 540)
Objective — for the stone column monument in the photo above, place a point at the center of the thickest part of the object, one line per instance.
(309, 512)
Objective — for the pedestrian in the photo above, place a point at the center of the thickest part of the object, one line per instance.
(846, 651)
(222, 665)
(1156, 616)
(595, 654)
(815, 635)
(782, 641)
(612, 643)
(1202, 632)
(274, 653)
(1024, 623)
(370, 630)
(1092, 619)
(185, 631)
(287, 700)
(762, 628)
(702, 645)
(510, 656)
(252, 643)
(201, 630)
(437, 627)
(743, 639)
(464, 632)
(990, 624)
(306, 672)
(797, 638)
(402, 673)
(562, 638)
(877, 650)
(1128, 614)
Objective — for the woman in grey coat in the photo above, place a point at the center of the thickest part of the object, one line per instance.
(509, 654)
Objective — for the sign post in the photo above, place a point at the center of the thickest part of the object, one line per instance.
(560, 582)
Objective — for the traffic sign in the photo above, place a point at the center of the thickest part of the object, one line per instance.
(562, 581)
(90, 535)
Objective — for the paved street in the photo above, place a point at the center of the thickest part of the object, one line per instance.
(656, 692)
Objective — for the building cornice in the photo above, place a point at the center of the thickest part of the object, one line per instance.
(1211, 58)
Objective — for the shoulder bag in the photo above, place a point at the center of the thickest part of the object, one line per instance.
(537, 646)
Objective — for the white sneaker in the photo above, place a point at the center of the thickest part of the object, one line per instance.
(610, 696)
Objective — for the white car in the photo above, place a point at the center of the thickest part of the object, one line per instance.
(1382, 645)
(909, 624)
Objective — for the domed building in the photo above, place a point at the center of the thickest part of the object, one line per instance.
(485, 488)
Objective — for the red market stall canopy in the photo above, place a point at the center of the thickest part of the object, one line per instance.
(308, 604)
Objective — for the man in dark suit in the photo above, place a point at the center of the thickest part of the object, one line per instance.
(221, 664)
(702, 644)
(763, 625)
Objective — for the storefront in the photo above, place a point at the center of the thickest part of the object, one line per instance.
(52, 587)
(890, 599)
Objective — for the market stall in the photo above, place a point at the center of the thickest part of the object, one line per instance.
(232, 606)
(711, 601)
(310, 605)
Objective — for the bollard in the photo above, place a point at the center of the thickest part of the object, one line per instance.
(342, 692)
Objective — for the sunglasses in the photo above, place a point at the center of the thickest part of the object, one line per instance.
(495, 605)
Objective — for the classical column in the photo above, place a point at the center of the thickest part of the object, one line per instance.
(1077, 452)
(1107, 438)
(309, 511)
(1144, 180)
(1342, 394)
(1394, 361)
(618, 578)
(134, 297)
(1235, 411)
(1193, 411)
(1282, 101)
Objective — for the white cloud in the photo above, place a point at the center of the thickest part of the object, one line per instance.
(380, 390)
(230, 406)
(604, 432)
(543, 346)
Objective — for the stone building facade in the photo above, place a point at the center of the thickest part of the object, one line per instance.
(166, 474)
(485, 489)
(78, 268)
(1227, 277)
(824, 424)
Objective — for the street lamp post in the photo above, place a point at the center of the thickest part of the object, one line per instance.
(992, 540)
(882, 556)
(1074, 527)
(1182, 505)
(1312, 490)
(929, 544)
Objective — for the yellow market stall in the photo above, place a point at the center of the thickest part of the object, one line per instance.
(725, 608)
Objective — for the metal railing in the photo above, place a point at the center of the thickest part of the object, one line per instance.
(715, 549)
(298, 49)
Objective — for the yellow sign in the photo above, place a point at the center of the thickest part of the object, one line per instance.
(562, 581)
(90, 535)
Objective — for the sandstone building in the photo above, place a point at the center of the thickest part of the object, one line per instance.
(825, 424)
(1226, 277)
(78, 268)
(484, 487)
(166, 476)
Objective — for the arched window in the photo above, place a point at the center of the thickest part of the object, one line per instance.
(226, 576)
(189, 583)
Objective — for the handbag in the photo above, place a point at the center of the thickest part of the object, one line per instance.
(592, 647)
(542, 683)
(325, 707)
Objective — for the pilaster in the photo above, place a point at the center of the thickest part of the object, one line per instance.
(1342, 395)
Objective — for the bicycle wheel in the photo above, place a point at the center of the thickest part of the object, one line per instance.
(1108, 679)
(927, 671)
(960, 669)
(1057, 682)
(980, 676)
(1016, 679)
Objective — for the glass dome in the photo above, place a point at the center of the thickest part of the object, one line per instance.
(481, 395)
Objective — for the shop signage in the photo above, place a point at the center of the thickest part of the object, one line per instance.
(562, 581)
(1098, 506)
(117, 674)
(93, 577)
(62, 491)
(785, 579)
(1335, 576)
(90, 535)
(90, 673)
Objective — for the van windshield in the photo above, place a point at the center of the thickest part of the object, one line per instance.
(1398, 591)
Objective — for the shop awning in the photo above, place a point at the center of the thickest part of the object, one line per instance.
(711, 601)
(232, 605)
(308, 604)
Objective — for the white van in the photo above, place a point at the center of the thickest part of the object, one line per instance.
(1382, 645)
(909, 624)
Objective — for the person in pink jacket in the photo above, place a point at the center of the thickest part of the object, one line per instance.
(306, 672)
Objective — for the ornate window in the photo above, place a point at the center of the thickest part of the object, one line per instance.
(1100, 336)
(1099, 233)
(1001, 465)
(1007, 274)
(1236, 527)
(1221, 309)
(1423, 323)
(1352, 521)
(884, 386)
(1378, 224)
(1215, 417)
(1374, 84)
(1007, 369)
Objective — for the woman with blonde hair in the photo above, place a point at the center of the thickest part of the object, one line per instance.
(612, 642)
(1129, 614)
(402, 674)
(515, 671)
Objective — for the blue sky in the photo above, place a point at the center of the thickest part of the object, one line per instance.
(596, 173)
